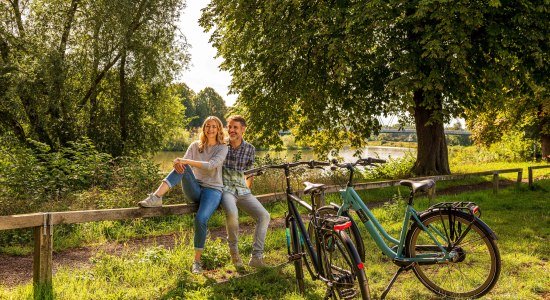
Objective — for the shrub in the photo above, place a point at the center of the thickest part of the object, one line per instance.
(35, 177)
(37, 174)
(512, 147)
(394, 168)
(178, 140)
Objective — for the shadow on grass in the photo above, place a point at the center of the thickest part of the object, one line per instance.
(268, 283)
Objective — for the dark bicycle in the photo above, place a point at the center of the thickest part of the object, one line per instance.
(324, 247)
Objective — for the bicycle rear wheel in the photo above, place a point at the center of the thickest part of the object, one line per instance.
(342, 266)
(476, 266)
(353, 231)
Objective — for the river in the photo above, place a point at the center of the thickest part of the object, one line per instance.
(165, 158)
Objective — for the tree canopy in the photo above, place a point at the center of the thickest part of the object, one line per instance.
(102, 69)
(329, 68)
(525, 104)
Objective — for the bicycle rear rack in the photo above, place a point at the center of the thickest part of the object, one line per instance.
(468, 207)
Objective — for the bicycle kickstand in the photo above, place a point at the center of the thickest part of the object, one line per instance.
(392, 281)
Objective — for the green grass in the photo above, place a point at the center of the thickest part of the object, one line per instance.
(520, 218)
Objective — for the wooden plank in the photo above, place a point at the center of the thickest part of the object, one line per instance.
(21, 221)
(539, 167)
(72, 217)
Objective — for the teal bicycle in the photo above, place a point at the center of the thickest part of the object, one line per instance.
(448, 247)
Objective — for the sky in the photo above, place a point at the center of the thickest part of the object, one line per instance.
(204, 68)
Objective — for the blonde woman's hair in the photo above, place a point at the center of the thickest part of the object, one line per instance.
(220, 138)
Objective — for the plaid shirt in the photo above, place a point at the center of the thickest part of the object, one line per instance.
(236, 162)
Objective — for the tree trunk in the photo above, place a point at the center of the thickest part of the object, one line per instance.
(432, 156)
(11, 122)
(544, 127)
(545, 141)
(123, 109)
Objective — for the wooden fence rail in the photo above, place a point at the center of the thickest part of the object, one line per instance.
(531, 173)
(44, 222)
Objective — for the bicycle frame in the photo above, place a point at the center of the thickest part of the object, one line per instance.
(352, 200)
(297, 218)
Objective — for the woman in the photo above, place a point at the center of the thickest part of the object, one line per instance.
(200, 173)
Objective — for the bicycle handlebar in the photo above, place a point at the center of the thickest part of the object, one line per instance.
(361, 161)
(311, 164)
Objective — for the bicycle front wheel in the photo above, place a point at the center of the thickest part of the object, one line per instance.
(342, 266)
(475, 266)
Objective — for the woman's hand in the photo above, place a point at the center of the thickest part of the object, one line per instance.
(179, 165)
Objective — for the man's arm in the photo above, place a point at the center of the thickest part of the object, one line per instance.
(250, 164)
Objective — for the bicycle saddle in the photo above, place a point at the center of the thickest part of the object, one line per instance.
(312, 187)
(422, 186)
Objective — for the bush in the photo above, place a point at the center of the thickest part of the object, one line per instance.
(394, 168)
(36, 178)
(178, 140)
(512, 148)
(37, 174)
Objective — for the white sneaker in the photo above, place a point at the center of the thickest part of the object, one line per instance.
(151, 201)
(196, 268)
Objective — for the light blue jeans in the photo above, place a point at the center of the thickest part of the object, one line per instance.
(249, 204)
(207, 198)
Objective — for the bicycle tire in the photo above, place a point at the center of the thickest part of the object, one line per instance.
(353, 231)
(342, 266)
(308, 260)
(297, 250)
(477, 264)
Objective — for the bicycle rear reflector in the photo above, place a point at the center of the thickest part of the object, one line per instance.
(360, 266)
(340, 227)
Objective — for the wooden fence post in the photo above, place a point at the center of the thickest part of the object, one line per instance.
(42, 260)
(520, 177)
(495, 182)
(530, 177)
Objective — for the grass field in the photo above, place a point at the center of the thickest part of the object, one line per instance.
(520, 218)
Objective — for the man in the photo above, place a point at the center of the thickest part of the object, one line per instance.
(237, 195)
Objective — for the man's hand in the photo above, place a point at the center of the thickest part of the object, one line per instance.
(179, 166)
(249, 180)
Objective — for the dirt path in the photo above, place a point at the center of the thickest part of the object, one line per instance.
(16, 270)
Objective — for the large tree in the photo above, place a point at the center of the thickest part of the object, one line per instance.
(525, 105)
(99, 68)
(328, 68)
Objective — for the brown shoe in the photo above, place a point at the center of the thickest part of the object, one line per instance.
(236, 260)
(256, 262)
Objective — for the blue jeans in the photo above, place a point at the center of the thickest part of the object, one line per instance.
(208, 199)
